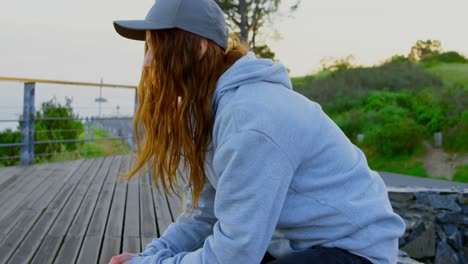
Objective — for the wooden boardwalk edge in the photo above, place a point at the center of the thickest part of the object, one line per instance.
(78, 211)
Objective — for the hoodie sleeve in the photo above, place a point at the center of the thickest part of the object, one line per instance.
(254, 176)
(190, 229)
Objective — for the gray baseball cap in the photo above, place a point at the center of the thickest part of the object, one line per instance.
(202, 17)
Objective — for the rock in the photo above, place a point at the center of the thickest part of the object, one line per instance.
(421, 207)
(445, 254)
(463, 258)
(403, 258)
(440, 233)
(398, 206)
(465, 207)
(438, 201)
(400, 197)
(465, 238)
(410, 224)
(436, 224)
(450, 218)
(454, 237)
(421, 242)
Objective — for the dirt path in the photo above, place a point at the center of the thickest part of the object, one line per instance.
(441, 164)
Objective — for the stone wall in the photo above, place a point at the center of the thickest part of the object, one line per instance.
(436, 223)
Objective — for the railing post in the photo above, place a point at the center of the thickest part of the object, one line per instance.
(27, 127)
(92, 128)
(86, 129)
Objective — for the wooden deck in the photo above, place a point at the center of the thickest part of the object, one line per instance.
(77, 212)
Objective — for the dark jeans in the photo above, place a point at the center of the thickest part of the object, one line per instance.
(317, 255)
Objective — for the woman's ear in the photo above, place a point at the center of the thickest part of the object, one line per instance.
(203, 47)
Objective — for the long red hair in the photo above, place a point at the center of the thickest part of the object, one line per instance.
(174, 116)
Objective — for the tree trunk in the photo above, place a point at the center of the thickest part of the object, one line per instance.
(244, 31)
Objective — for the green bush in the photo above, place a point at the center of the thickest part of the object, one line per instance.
(456, 136)
(355, 84)
(9, 136)
(453, 74)
(398, 164)
(396, 59)
(446, 57)
(429, 110)
(461, 174)
(393, 139)
(47, 130)
(350, 123)
(377, 100)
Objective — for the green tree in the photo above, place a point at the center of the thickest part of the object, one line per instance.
(64, 128)
(334, 64)
(9, 136)
(424, 48)
(247, 17)
(57, 124)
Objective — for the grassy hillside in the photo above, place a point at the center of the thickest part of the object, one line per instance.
(452, 73)
(396, 107)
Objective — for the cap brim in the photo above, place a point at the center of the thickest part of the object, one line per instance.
(136, 29)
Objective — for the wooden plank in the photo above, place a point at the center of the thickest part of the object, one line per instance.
(89, 252)
(49, 249)
(14, 238)
(113, 235)
(75, 232)
(85, 212)
(28, 246)
(148, 226)
(131, 235)
(63, 223)
(50, 187)
(9, 222)
(22, 180)
(9, 175)
(163, 214)
(131, 244)
(174, 205)
(25, 187)
(110, 248)
(83, 217)
(39, 215)
(101, 212)
(94, 235)
(68, 252)
(31, 243)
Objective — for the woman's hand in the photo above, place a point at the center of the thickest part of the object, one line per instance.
(122, 258)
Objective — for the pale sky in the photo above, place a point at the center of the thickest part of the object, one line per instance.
(75, 40)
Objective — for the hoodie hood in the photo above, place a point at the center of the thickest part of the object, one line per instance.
(250, 69)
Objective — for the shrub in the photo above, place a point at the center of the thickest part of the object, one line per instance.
(9, 136)
(396, 59)
(377, 100)
(350, 123)
(355, 84)
(446, 57)
(461, 174)
(56, 129)
(393, 139)
(456, 136)
(429, 111)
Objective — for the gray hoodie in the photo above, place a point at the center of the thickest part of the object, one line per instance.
(282, 177)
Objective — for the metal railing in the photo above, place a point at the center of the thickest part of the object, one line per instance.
(28, 121)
